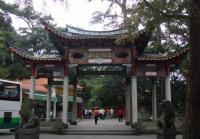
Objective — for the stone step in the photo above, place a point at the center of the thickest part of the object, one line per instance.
(92, 132)
(72, 130)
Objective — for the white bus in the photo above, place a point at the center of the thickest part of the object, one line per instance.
(10, 103)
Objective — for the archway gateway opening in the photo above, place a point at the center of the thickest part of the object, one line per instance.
(107, 94)
(106, 87)
(96, 52)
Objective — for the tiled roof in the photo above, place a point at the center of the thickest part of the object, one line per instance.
(28, 55)
(74, 36)
(74, 33)
(40, 85)
(144, 57)
(79, 31)
(163, 57)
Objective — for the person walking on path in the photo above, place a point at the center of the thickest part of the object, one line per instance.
(120, 115)
(86, 113)
(103, 114)
(111, 113)
(96, 114)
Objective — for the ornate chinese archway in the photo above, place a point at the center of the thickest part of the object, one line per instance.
(81, 48)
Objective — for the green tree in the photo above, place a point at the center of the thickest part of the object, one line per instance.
(166, 20)
(104, 91)
(179, 90)
(31, 38)
(7, 33)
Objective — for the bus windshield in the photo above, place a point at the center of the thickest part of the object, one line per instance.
(9, 91)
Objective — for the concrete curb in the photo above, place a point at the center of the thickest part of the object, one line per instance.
(104, 132)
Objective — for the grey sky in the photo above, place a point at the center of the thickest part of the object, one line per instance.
(78, 13)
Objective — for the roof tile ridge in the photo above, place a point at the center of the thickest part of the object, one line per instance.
(49, 27)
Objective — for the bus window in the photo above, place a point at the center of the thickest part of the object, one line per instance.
(3, 92)
(2, 86)
(9, 92)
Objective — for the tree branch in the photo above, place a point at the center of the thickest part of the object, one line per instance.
(174, 16)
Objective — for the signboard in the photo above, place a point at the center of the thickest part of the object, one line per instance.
(99, 61)
(43, 73)
(100, 55)
(49, 72)
(59, 90)
(150, 73)
(57, 73)
(151, 70)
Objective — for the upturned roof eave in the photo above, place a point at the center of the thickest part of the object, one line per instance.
(168, 58)
(76, 35)
(30, 57)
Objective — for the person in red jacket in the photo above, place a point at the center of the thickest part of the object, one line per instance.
(95, 114)
(120, 115)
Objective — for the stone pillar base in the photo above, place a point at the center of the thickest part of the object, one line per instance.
(166, 135)
(128, 123)
(73, 123)
(32, 133)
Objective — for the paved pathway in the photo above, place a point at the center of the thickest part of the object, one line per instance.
(52, 136)
(103, 125)
(107, 124)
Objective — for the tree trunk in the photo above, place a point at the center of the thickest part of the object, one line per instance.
(192, 125)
